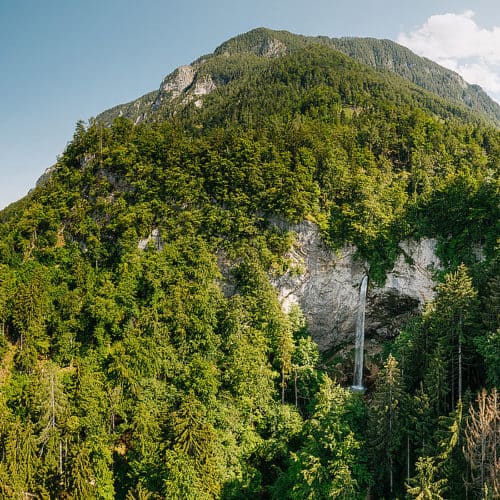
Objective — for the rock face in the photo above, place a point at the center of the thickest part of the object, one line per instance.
(273, 47)
(325, 284)
(44, 178)
(175, 84)
(184, 81)
(202, 86)
(154, 238)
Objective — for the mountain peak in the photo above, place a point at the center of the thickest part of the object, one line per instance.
(242, 52)
(259, 41)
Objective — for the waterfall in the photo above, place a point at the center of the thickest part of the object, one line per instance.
(357, 384)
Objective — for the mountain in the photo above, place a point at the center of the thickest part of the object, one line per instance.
(195, 80)
(179, 293)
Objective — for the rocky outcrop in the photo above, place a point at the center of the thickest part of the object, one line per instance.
(44, 178)
(272, 47)
(184, 81)
(178, 81)
(325, 285)
(154, 238)
(202, 86)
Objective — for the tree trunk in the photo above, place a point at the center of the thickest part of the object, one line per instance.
(460, 358)
(282, 386)
(296, 390)
(407, 456)
(390, 475)
(459, 367)
(390, 437)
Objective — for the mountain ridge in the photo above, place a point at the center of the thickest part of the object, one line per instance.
(264, 43)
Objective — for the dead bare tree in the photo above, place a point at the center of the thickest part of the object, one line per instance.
(482, 444)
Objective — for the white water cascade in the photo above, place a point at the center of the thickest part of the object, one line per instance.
(357, 384)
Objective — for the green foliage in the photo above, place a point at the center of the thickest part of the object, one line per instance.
(489, 347)
(329, 463)
(424, 486)
(385, 427)
(126, 372)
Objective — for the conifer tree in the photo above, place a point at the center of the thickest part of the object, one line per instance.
(328, 464)
(446, 454)
(454, 308)
(424, 485)
(194, 438)
(385, 425)
(80, 475)
(29, 316)
(20, 466)
(436, 380)
(285, 350)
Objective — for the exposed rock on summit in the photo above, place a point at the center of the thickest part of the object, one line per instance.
(184, 81)
(174, 84)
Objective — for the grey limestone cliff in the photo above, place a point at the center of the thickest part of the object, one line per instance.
(325, 284)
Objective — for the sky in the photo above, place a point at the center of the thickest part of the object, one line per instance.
(67, 60)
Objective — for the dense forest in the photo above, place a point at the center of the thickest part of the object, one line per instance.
(127, 372)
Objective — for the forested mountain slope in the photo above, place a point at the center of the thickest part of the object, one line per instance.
(131, 368)
(240, 54)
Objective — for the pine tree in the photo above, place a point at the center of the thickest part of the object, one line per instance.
(30, 311)
(80, 475)
(385, 426)
(424, 485)
(20, 464)
(285, 350)
(488, 345)
(436, 380)
(422, 422)
(194, 438)
(328, 464)
(446, 454)
(454, 308)
(52, 412)
(192, 432)
(7, 290)
(304, 366)
(139, 493)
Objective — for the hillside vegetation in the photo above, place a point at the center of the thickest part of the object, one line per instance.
(127, 373)
(241, 53)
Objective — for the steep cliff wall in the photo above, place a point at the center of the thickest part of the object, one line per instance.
(325, 284)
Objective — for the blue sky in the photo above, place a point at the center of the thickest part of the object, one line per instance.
(65, 60)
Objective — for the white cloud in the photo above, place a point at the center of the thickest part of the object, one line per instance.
(481, 73)
(457, 42)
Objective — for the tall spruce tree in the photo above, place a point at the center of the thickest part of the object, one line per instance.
(385, 428)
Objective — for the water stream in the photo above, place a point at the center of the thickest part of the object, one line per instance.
(357, 384)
